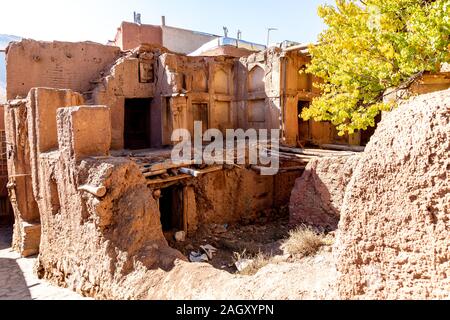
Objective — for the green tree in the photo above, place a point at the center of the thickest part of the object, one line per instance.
(369, 47)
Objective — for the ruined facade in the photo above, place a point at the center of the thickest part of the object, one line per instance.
(147, 93)
(89, 137)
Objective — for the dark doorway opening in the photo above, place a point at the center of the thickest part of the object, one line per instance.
(137, 124)
(171, 209)
(303, 126)
(200, 113)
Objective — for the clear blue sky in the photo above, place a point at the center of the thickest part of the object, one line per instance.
(97, 20)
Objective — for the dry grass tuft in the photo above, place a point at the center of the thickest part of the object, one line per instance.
(255, 262)
(305, 241)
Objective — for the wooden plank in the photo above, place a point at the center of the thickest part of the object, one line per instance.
(169, 165)
(171, 179)
(183, 176)
(288, 169)
(343, 147)
(154, 173)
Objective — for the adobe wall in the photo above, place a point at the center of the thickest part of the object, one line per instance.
(131, 35)
(187, 81)
(110, 245)
(31, 130)
(132, 76)
(259, 99)
(5, 211)
(175, 83)
(393, 239)
(26, 227)
(272, 85)
(318, 194)
(60, 65)
(93, 243)
(238, 195)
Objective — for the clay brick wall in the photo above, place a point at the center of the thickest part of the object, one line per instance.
(131, 35)
(5, 211)
(61, 65)
(192, 83)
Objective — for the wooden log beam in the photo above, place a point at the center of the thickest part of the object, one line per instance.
(183, 176)
(154, 173)
(343, 147)
(99, 192)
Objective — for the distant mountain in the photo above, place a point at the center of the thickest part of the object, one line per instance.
(4, 40)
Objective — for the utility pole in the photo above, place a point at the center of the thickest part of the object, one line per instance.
(268, 35)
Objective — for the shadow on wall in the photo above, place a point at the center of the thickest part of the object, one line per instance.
(312, 203)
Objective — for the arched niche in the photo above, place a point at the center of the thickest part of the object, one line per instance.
(221, 82)
(200, 81)
(256, 79)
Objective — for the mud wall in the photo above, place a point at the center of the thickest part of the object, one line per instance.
(259, 99)
(318, 195)
(131, 77)
(131, 35)
(394, 232)
(95, 244)
(26, 226)
(61, 65)
(195, 89)
(238, 196)
(31, 130)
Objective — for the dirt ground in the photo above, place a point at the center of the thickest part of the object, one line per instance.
(265, 236)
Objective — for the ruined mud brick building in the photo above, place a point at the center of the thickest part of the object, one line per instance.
(118, 101)
(88, 131)
(149, 92)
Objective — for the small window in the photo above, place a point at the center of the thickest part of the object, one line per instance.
(146, 72)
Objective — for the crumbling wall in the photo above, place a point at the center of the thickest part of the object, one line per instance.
(318, 195)
(259, 90)
(26, 213)
(195, 89)
(61, 65)
(232, 196)
(131, 35)
(95, 242)
(238, 195)
(132, 76)
(31, 130)
(226, 50)
(41, 117)
(393, 239)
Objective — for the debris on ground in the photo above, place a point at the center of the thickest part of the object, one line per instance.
(198, 257)
(209, 250)
(180, 236)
